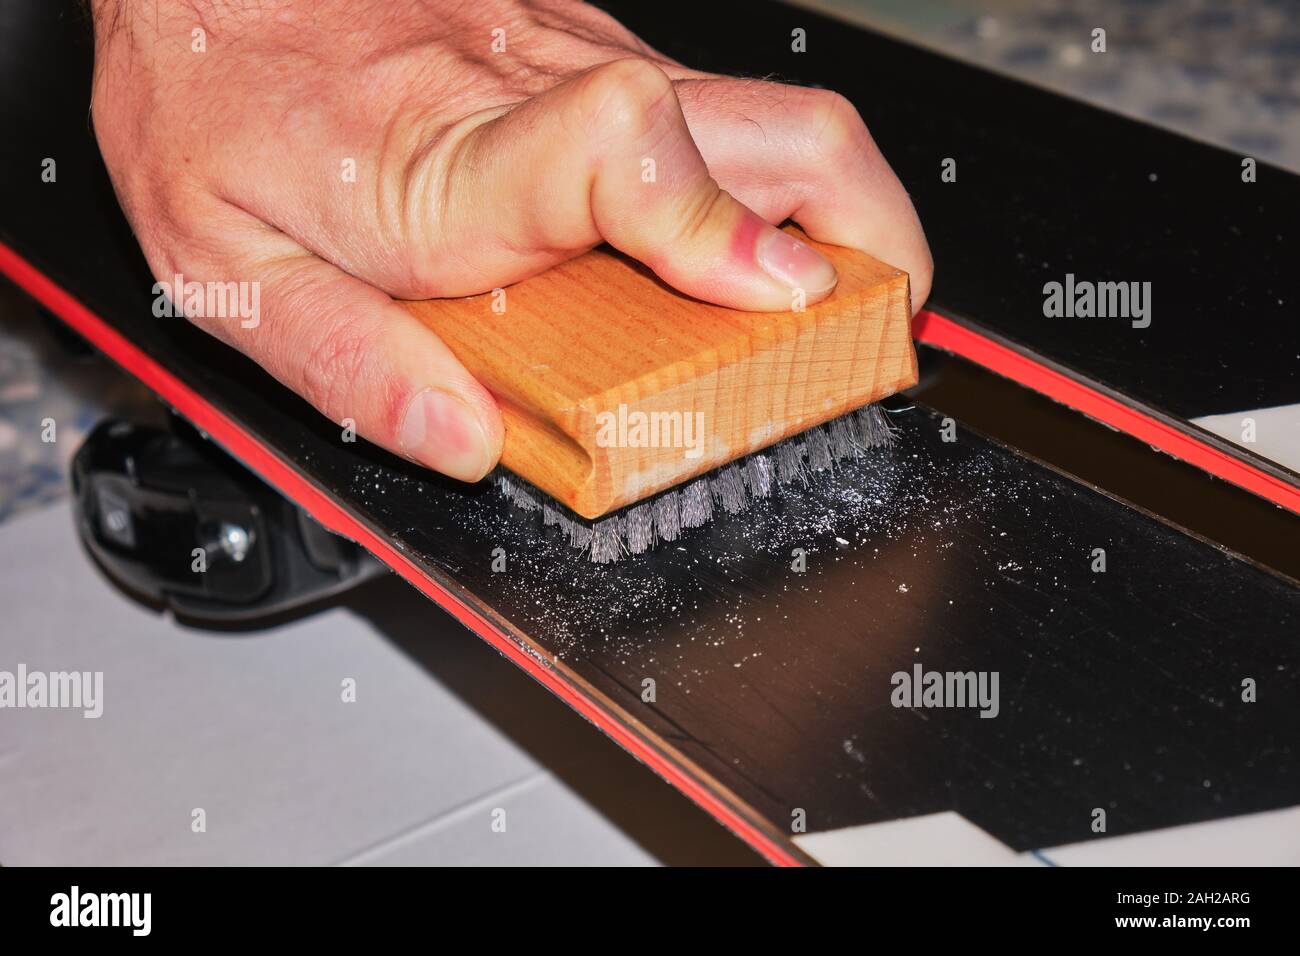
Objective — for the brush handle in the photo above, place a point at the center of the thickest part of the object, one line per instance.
(614, 386)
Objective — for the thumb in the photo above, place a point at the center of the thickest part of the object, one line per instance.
(607, 156)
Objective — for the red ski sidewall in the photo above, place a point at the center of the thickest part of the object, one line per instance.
(938, 331)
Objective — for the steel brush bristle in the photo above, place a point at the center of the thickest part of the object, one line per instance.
(732, 488)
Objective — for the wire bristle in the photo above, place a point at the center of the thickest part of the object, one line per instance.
(729, 488)
(607, 540)
(640, 528)
(697, 504)
(758, 476)
(668, 515)
(733, 487)
(871, 427)
(819, 449)
(789, 463)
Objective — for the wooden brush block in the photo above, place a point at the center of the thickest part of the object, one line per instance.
(603, 372)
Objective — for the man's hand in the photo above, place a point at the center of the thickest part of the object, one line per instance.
(339, 152)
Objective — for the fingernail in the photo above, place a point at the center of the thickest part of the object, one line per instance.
(795, 264)
(440, 430)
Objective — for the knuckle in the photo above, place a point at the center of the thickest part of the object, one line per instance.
(697, 215)
(624, 99)
(421, 277)
(333, 362)
(321, 343)
(837, 131)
